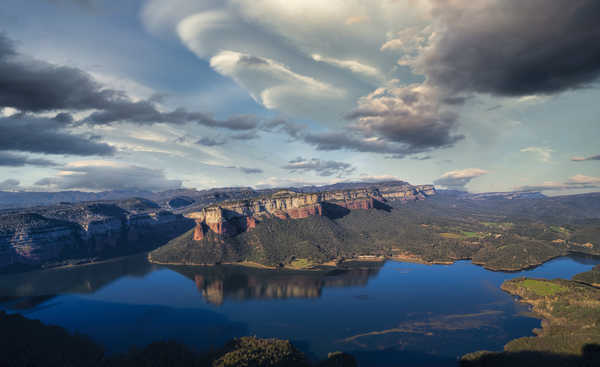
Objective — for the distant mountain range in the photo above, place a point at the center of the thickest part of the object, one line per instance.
(192, 199)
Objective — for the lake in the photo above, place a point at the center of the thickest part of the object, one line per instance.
(385, 314)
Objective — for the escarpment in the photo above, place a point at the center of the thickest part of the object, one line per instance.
(57, 234)
(232, 218)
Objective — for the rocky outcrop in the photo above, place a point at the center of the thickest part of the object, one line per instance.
(231, 218)
(59, 233)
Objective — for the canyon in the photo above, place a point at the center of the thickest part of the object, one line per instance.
(231, 218)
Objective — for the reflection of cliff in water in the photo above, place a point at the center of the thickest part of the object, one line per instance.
(27, 290)
(222, 282)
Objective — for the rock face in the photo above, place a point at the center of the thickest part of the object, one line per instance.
(231, 218)
(59, 233)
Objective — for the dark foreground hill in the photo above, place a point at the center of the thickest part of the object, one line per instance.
(29, 343)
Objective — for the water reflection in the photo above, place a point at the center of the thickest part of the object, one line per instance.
(216, 284)
(27, 290)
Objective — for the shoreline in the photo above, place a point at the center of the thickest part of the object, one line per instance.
(328, 265)
(333, 264)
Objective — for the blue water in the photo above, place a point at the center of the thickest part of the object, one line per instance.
(386, 315)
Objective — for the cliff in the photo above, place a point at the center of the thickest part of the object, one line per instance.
(231, 218)
(52, 235)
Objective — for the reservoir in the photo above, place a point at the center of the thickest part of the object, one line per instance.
(385, 314)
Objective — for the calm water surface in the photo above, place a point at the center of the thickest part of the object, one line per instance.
(386, 315)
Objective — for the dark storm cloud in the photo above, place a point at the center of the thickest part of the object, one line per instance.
(321, 167)
(249, 135)
(9, 184)
(582, 159)
(407, 119)
(330, 141)
(100, 178)
(17, 160)
(293, 130)
(146, 113)
(36, 86)
(419, 131)
(210, 142)
(513, 47)
(26, 133)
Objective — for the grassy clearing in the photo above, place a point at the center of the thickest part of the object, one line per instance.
(460, 236)
(467, 234)
(452, 236)
(542, 288)
(301, 264)
(498, 225)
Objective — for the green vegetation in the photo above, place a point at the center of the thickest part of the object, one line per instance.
(591, 277)
(570, 334)
(424, 231)
(29, 343)
(542, 287)
(301, 264)
(467, 234)
(251, 351)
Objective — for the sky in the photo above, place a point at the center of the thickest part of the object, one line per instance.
(492, 95)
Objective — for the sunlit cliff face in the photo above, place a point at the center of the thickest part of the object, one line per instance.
(232, 218)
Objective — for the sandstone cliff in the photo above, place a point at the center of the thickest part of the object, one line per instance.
(228, 219)
(60, 233)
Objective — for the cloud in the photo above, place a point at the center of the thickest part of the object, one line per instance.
(35, 86)
(249, 135)
(271, 83)
(279, 182)
(320, 167)
(497, 47)
(591, 158)
(458, 179)
(295, 131)
(267, 47)
(576, 182)
(147, 113)
(104, 175)
(30, 85)
(17, 160)
(545, 154)
(352, 65)
(9, 184)
(26, 133)
(251, 171)
(357, 19)
(334, 140)
(210, 142)
(410, 115)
